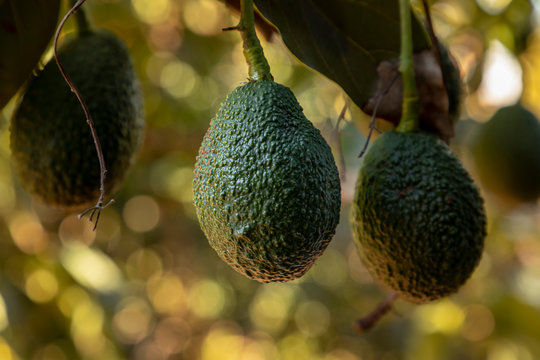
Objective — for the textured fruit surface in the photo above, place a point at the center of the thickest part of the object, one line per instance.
(51, 143)
(266, 188)
(507, 154)
(418, 219)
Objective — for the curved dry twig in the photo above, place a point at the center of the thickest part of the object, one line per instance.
(337, 138)
(96, 209)
(372, 126)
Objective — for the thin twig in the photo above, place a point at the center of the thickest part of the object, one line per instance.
(434, 41)
(337, 136)
(372, 126)
(231, 28)
(96, 209)
(366, 323)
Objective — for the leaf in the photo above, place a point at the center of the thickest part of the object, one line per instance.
(26, 26)
(343, 39)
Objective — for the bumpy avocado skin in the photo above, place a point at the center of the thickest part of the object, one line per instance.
(266, 188)
(51, 144)
(418, 219)
(507, 154)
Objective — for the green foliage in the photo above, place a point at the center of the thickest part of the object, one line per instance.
(54, 155)
(357, 44)
(25, 30)
(418, 219)
(344, 40)
(266, 187)
(507, 154)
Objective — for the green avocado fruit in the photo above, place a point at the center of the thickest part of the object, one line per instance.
(266, 187)
(506, 151)
(51, 144)
(418, 219)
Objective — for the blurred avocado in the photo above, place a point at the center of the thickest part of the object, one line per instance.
(506, 151)
(52, 146)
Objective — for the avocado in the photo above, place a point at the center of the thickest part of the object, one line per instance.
(52, 146)
(266, 187)
(506, 151)
(417, 217)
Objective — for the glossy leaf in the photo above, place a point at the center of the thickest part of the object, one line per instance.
(342, 39)
(26, 27)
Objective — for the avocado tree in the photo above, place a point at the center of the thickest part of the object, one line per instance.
(351, 170)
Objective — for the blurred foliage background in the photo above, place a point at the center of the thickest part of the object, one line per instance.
(146, 285)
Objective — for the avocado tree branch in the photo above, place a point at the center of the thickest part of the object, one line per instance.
(409, 117)
(82, 21)
(259, 69)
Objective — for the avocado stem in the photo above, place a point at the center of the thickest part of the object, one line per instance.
(410, 107)
(259, 69)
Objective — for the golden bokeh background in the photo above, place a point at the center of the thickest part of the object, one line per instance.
(147, 286)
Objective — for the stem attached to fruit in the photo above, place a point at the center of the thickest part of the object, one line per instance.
(410, 108)
(253, 52)
(96, 209)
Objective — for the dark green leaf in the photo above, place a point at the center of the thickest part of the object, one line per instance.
(342, 39)
(26, 26)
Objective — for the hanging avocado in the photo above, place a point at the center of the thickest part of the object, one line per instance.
(266, 187)
(52, 147)
(417, 217)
